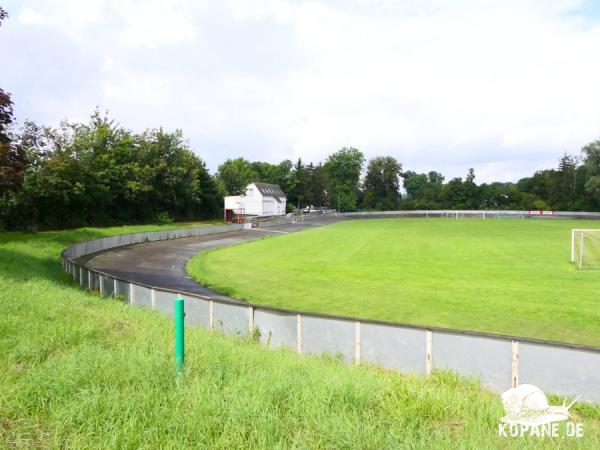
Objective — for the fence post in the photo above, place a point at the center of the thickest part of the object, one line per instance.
(428, 352)
(357, 342)
(114, 287)
(515, 364)
(90, 283)
(152, 298)
(80, 276)
(131, 294)
(250, 320)
(581, 250)
(299, 333)
(211, 314)
(179, 334)
(101, 281)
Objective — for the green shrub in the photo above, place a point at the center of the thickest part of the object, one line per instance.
(163, 218)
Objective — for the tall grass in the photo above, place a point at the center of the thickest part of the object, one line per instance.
(79, 371)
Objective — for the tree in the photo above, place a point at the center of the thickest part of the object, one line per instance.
(280, 174)
(299, 193)
(318, 184)
(423, 191)
(6, 116)
(236, 174)
(471, 193)
(414, 183)
(343, 174)
(435, 177)
(453, 194)
(6, 104)
(503, 196)
(98, 173)
(13, 160)
(272, 173)
(592, 170)
(565, 183)
(265, 172)
(571, 186)
(283, 175)
(382, 183)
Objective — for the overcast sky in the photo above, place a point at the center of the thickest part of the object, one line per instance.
(502, 86)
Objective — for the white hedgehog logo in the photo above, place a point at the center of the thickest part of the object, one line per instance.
(527, 405)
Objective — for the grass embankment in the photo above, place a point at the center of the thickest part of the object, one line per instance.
(78, 371)
(502, 276)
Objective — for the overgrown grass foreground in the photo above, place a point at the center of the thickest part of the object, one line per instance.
(79, 371)
(503, 276)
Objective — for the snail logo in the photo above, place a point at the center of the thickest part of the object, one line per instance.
(527, 412)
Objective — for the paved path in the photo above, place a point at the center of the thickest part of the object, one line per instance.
(162, 263)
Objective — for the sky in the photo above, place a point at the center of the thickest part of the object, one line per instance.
(505, 87)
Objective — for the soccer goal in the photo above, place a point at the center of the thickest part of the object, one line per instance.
(585, 248)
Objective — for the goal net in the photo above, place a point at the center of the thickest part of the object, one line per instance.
(585, 248)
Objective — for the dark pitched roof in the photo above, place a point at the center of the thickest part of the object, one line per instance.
(269, 190)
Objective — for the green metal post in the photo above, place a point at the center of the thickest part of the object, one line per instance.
(179, 334)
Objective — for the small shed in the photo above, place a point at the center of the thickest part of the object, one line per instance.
(259, 199)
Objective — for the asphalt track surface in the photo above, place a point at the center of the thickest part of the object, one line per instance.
(162, 264)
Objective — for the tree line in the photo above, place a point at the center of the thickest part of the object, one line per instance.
(344, 182)
(100, 173)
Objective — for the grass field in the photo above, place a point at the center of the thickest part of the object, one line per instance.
(502, 276)
(79, 371)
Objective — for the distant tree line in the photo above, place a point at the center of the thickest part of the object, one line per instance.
(99, 173)
(343, 182)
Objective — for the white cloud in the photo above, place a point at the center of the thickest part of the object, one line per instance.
(72, 18)
(502, 86)
(154, 22)
(130, 90)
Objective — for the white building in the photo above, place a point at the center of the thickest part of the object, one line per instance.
(260, 199)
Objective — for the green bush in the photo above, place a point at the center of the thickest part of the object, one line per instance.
(163, 218)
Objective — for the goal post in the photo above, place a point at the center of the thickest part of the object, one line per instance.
(585, 248)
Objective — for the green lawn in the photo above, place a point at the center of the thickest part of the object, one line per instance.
(79, 371)
(502, 276)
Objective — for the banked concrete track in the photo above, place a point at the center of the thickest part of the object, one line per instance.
(162, 263)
